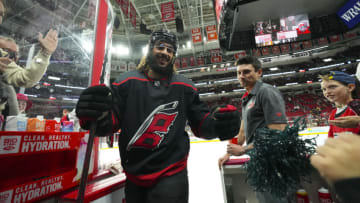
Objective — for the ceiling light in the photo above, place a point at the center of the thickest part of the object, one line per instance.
(208, 93)
(274, 68)
(87, 45)
(188, 44)
(145, 50)
(53, 78)
(293, 83)
(120, 50)
(327, 60)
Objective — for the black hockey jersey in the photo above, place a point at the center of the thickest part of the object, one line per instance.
(152, 115)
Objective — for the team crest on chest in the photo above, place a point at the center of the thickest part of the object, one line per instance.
(152, 131)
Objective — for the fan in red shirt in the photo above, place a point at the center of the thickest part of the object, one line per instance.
(65, 116)
(339, 87)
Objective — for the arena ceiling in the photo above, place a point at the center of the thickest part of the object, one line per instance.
(29, 16)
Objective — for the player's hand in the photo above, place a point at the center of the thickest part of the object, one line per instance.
(226, 121)
(346, 122)
(49, 42)
(223, 159)
(338, 158)
(94, 104)
(236, 150)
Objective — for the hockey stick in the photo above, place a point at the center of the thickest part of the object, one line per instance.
(87, 160)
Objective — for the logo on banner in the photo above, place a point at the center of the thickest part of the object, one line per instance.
(6, 196)
(349, 13)
(9, 144)
(196, 38)
(211, 32)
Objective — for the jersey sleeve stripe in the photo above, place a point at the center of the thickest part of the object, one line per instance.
(184, 84)
(130, 78)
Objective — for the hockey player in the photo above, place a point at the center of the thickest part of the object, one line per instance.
(151, 106)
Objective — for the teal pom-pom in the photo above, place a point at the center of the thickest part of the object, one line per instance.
(280, 159)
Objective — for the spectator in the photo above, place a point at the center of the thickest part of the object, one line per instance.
(12, 74)
(65, 116)
(262, 106)
(23, 102)
(339, 88)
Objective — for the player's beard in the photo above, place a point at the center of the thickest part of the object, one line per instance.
(164, 71)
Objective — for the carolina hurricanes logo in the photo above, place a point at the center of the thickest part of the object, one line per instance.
(251, 104)
(151, 132)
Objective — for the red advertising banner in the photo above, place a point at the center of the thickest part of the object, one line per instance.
(276, 50)
(334, 38)
(256, 52)
(46, 163)
(239, 54)
(285, 48)
(132, 15)
(211, 33)
(35, 142)
(184, 62)
(265, 51)
(216, 59)
(177, 63)
(307, 44)
(295, 46)
(36, 190)
(167, 11)
(196, 35)
(192, 61)
(323, 41)
(348, 35)
(124, 5)
(200, 60)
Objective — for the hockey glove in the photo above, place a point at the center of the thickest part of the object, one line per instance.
(226, 121)
(94, 105)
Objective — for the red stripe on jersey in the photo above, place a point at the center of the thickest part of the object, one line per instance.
(149, 180)
(131, 78)
(182, 83)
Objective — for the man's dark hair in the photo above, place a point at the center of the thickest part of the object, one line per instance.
(249, 60)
